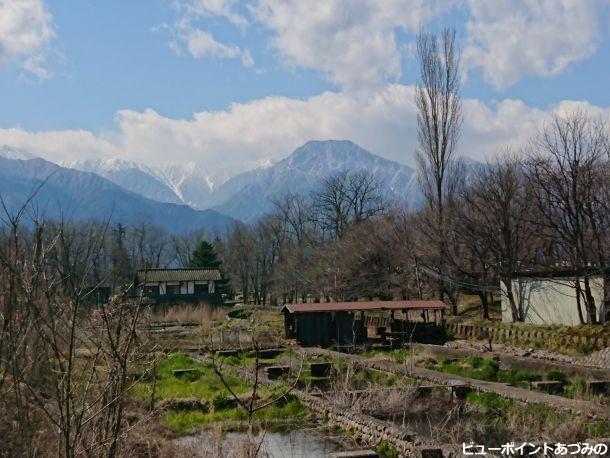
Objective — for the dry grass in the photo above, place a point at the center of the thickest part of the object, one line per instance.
(203, 314)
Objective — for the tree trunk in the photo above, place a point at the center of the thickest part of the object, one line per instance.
(516, 315)
(578, 299)
(592, 310)
(484, 304)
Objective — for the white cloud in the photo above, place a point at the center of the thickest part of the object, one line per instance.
(61, 145)
(26, 30)
(200, 43)
(510, 39)
(352, 42)
(355, 44)
(212, 8)
(247, 134)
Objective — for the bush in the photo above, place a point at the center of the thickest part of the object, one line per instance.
(557, 376)
(586, 348)
(386, 451)
(223, 402)
(489, 400)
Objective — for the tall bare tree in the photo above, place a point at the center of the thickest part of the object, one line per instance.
(495, 222)
(439, 120)
(568, 165)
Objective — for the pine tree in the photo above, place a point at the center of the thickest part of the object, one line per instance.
(205, 257)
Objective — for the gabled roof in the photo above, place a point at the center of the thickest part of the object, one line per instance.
(365, 306)
(187, 274)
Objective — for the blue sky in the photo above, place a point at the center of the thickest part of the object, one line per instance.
(248, 81)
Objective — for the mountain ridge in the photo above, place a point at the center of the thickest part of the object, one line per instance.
(88, 196)
(248, 195)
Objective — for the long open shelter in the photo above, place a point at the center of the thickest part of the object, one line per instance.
(352, 323)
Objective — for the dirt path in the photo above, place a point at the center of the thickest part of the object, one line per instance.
(577, 406)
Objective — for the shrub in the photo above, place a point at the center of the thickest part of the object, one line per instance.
(489, 400)
(385, 450)
(223, 402)
(557, 376)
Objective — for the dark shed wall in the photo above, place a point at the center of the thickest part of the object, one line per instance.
(348, 330)
(313, 329)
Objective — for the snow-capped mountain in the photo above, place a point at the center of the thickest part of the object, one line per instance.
(8, 152)
(179, 183)
(249, 195)
(81, 196)
(130, 175)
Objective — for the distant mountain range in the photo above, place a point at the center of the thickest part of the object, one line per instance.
(249, 195)
(181, 196)
(76, 196)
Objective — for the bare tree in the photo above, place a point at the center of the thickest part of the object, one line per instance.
(348, 198)
(439, 121)
(568, 165)
(249, 405)
(495, 223)
(65, 365)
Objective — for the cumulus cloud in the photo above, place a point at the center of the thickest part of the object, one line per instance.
(510, 39)
(200, 43)
(215, 8)
(246, 134)
(352, 42)
(26, 30)
(357, 44)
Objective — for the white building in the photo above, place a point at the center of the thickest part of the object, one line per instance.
(170, 284)
(547, 298)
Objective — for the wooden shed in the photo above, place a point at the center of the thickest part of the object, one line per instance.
(345, 323)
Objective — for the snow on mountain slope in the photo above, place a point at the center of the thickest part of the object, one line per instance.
(249, 195)
(82, 196)
(130, 175)
(179, 183)
(8, 152)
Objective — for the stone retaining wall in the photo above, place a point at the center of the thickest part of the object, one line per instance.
(364, 427)
(515, 335)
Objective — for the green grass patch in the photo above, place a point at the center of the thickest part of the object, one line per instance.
(556, 376)
(385, 450)
(484, 369)
(489, 400)
(184, 421)
(202, 384)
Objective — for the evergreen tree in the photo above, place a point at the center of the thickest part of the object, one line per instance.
(205, 257)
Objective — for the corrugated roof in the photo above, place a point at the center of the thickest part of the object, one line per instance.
(356, 306)
(188, 274)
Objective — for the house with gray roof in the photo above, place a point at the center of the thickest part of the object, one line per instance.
(185, 284)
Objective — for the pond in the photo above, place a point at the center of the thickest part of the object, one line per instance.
(295, 444)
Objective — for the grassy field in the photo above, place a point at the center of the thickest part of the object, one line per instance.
(214, 402)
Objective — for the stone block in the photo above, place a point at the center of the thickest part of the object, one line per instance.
(460, 391)
(275, 372)
(227, 353)
(269, 353)
(431, 453)
(548, 386)
(599, 386)
(320, 369)
(181, 372)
